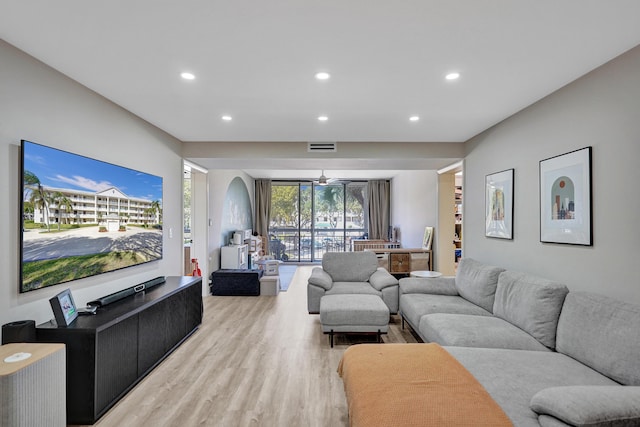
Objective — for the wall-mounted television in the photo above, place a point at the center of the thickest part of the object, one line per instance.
(80, 217)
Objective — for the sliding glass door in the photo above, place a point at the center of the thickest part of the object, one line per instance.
(308, 220)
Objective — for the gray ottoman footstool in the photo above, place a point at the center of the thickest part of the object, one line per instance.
(357, 313)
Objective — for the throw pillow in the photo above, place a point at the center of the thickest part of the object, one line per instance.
(476, 282)
(592, 406)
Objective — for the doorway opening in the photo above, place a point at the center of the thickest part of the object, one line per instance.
(450, 218)
(195, 219)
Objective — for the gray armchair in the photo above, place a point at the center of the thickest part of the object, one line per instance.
(351, 273)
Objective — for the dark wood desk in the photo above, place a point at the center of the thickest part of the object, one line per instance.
(110, 352)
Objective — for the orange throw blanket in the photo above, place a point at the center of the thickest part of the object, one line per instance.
(413, 385)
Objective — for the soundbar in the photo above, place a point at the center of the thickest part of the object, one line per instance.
(117, 296)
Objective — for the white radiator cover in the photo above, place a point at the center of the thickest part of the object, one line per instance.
(33, 390)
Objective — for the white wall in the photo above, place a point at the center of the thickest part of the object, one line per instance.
(41, 105)
(200, 225)
(219, 181)
(601, 110)
(414, 202)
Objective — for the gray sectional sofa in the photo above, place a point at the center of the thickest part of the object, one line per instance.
(548, 357)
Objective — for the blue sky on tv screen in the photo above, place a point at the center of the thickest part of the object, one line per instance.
(60, 169)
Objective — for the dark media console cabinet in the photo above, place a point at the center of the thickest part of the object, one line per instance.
(110, 352)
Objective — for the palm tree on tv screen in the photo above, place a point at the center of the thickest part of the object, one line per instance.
(155, 208)
(29, 181)
(39, 196)
(63, 203)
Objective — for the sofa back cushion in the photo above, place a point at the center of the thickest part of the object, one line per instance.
(350, 266)
(602, 333)
(531, 303)
(476, 282)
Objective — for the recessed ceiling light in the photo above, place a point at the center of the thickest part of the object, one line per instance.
(323, 118)
(414, 118)
(187, 76)
(227, 118)
(452, 76)
(323, 75)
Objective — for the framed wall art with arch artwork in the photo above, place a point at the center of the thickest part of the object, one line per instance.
(565, 199)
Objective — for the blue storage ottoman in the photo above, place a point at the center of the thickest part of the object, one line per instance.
(235, 282)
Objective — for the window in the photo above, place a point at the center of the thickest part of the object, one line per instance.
(308, 220)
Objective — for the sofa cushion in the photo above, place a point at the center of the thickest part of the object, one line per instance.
(549, 421)
(602, 333)
(437, 285)
(531, 303)
(350, 266)
(477, 282)
(605, 406)
(513, 377)
(414, 306)
(476, 331)
(346, 288)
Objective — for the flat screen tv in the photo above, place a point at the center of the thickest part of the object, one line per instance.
(81, 217)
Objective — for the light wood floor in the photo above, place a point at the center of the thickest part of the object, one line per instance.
(255, 361)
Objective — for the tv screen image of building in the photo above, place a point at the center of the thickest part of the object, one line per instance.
(82, 217)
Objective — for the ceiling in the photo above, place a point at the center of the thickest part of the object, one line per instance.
(256, 61)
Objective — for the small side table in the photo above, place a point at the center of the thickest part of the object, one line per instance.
(269, 285)
(424, 273)
(235, 282)
(33, 385)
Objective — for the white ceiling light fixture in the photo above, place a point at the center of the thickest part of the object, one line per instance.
(323, 75)
(452, 76)
(227, 118)
(414, 118)
(323, 118)
(187, 76)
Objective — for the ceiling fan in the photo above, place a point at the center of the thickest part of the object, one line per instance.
(323, 180)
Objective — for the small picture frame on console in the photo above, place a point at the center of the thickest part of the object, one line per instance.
(64, 308)
(427, 239)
